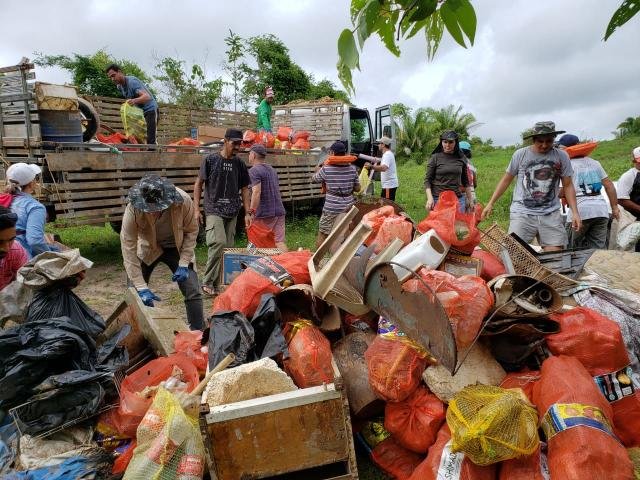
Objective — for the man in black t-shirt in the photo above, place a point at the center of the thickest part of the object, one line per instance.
(224, 177)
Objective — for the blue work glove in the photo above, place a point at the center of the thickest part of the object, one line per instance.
(148, 297)
(180, 275)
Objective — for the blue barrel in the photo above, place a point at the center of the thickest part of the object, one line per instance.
(60, 126)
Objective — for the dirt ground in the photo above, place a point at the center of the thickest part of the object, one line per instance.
(104, 288)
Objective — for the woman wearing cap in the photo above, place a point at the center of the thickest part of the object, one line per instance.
(447, 170)
(32, 215)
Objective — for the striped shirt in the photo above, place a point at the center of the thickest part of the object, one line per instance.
(341, 181)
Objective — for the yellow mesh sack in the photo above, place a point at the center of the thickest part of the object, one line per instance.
(634, 455)
(492, 424)
(133, 122)
(170, 446)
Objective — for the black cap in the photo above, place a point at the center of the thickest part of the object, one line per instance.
(338, 148)
(449, 135)
(233, 135)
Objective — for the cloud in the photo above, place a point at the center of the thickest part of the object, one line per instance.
(530, 61)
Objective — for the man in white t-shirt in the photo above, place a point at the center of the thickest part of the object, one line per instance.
(629, 188)
(589, 180)
(386, 166)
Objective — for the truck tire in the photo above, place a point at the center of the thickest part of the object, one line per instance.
(89, 118)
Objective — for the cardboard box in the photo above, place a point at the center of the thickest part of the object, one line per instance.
(234, 261)
(209, 133)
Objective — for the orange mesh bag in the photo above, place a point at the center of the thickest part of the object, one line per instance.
(249, 137)
(374, 219)
(415, 422)
(454, 227)
(394, 460)
(266, 275)
(466, 300)
(189, 344)
(136, 394)
(395, 368)
(577, 421)
(309, 362)
(301, 144)
(442, 463)
(395, 226)
(284, 133)
(301, 135)
(491, 265)
(260, 236)
(524, 380)
(531, 467)
(597, 342)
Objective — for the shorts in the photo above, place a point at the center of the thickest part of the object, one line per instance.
(327, 221)
(275, 224)
(548, 229)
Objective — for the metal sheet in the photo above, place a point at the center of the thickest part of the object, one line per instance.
(419, 315)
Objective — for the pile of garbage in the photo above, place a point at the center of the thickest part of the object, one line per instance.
(284, 139)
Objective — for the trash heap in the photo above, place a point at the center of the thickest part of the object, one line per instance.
(285, 138)
(434, 349)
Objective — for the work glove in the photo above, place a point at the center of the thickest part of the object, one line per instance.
(180, 275)
(148, 297)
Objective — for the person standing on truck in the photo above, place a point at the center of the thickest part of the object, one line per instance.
(628, 188)
(266, 206)
(264, 111)
(12, 255)
(447, 170)
(589, 178)
(225, 178)
(138, 94)
(160, 225)
(32, 215)
(386, 166)
(341, 180)
(535, 207)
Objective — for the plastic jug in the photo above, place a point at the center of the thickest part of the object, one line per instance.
(427, 250)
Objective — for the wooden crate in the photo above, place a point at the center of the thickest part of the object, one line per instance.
(301, 434)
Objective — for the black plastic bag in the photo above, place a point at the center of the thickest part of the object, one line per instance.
(230, 332)
(267, 325)
(59, 301)
(111, 355)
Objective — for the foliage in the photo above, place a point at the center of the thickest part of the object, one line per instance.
(274, 67)
(190, 90)
(392, 20)
(622, 15)
(418, 133)
(234, 55)
(88, 73)
(630, 126)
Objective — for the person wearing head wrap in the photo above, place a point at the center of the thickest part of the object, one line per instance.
(447, 170)
(264, 111)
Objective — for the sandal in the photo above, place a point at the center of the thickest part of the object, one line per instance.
(208, 291)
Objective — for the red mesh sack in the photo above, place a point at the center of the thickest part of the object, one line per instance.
(133, 405)
(441, 463)
(249, 137)
(301, 135)
(524, 380)
(394, 460)
(269, 140)
(374, 219)
(309, 362)
(466, 300)
(581, 451)
(395, 226)
(189, 344)
(243, 295)
(415, 422)
(395, 368)
(530, 467)
(260, 236)
(454, 227)
(284, 133)
(301, 144)
(491, 265)
(597, 342)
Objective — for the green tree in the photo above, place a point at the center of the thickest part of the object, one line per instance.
(326, 88)
(87, 71)
(452, 118)
(191, 90)
(395, 20)
(234, 55)
(630, 126)
(415, 134)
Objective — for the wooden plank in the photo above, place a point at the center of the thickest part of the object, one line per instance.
(69, 161)
(84, 176)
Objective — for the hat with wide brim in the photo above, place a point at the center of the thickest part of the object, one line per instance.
(153, 194)
(543, 128)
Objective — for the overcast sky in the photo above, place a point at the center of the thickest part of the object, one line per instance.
(542, 60)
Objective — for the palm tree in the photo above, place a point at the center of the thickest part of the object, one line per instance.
(415, 133)
(630, 126)
(452, 118)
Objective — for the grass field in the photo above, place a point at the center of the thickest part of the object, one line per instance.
(101, 244)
